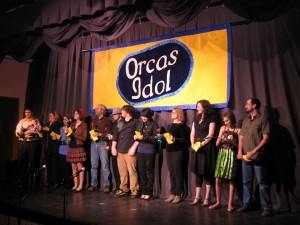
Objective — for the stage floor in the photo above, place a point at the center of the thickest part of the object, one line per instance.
(101, 208)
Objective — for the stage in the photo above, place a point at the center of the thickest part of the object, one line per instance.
(41, 205)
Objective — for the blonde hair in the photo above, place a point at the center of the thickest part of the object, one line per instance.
(180, 114)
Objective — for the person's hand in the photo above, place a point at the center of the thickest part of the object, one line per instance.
(28, 136)
(45, 128)
(171, 137)
(132, 151)
(114, 151)
(250, 154)
(54, 137)
(138, 137)
(239, 156)
(109, 136)
(65, 129)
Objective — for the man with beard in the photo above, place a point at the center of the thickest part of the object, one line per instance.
(253, 138)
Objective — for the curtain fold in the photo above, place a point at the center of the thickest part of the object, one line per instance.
(62, 22)
(174, 13)
(258, 10)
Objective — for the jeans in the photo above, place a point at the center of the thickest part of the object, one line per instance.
(264, 189)
(98, 150)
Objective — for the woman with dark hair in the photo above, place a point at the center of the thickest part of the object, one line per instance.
(204, 154)
(177, 143)
(52, 130)
(146, 152)
(76, 154)
(227, 158)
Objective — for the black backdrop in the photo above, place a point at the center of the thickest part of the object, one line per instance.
(265, 57)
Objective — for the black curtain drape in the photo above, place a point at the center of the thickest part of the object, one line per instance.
(265, 58)
(60, 23)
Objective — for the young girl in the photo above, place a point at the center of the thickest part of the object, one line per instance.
(227, 158)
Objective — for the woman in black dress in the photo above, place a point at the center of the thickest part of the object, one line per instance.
(204, 151)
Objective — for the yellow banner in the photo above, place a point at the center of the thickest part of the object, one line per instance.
(163, 72)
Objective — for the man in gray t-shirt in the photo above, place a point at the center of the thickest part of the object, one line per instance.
(253, 138)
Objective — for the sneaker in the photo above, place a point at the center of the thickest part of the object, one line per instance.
(106, 189)
(120, 193)
(92, 188)
(244, 208)
(266, 213)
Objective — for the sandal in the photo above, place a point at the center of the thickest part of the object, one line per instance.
(147, 197)
(79, 189)
(215, 206)
(196, 201)
(206, 202)
(74, 188)
(142, 197)
(230, 209)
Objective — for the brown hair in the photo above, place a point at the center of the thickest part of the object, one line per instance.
(208, 109)
(229, 114)
(129, 109)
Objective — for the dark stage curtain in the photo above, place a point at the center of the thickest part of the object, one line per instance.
(60, 23)
(265, 59)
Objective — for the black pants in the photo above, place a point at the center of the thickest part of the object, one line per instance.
(146, 172)
(53, 167)
(28, 156)
(115, 171)
(175, 161)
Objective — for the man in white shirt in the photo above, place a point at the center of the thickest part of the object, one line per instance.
(27, 131)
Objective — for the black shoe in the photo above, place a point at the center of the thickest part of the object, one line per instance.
(244, 208)
(134, 196)
(266, 213)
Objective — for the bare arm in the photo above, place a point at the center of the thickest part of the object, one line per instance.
(211, 131)
(219, 139)
(192, 136)
(261, 144)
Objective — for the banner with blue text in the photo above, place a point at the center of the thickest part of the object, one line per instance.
(163, 72)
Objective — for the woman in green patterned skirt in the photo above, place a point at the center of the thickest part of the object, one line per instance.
(227, 158)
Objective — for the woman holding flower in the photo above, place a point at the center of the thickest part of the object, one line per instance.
(227, 158)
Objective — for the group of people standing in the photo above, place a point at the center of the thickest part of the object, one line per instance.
(132, 144)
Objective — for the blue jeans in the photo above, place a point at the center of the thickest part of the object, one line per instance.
(264, 189)
(98, 150)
